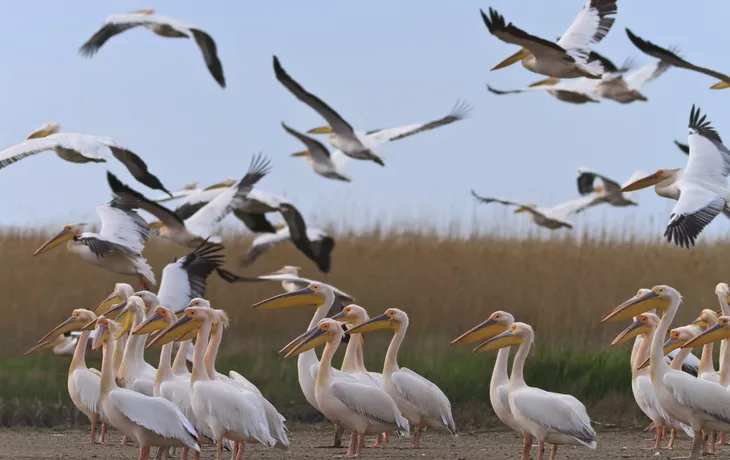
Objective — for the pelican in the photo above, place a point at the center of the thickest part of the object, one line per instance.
(194, 198)
(353, 363)
(343, 136)
(230, 412)
(550, 417)
(551, 218)
(573, 91)
(134, 372)
(419, 400)
(626, 89)
(641, 385)
(79, 148)
(695, 402)
(569, 57)
(148, 420)
(670, 57)
(202, 224)
(497, 323)
(360, 408)
(83, 383)
(318, 157)
(162, 26)
(63, 345)
(720, 331)
(117, 247)
(708, 319)
(608, 191)
(110, 307)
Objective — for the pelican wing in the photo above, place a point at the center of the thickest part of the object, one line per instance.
(257, 223)
(243, 381)
(186, 278)
(382, 136)
(319, 152)
(586, 178)
(196, 200)
(137, 168)
(322, 247)
(695, 209)
(122, 229)
(114, 25)
(486, 200)
(298, 230)
(262, 244)
(691, 364)
(87, 384)
(508, 33)
(706, 397)
(85, 146)
(177, 194)
(370, 402)
(638, 78)
(426, 396)
(590, 26)
(167, 217)
(210, 54)
(571, 207)
(555, 413)
(672, 58)
(709, 160)
(334, 120)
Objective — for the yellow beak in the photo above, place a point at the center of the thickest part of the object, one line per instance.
(517, 57)
(503, 340)
(713, 334)
(379, 323)
(485, 330)
(636, 328)
(672, 344)
(100, 337)
(55, 241)
(299, 298)
(106, 304)
(635, 306)
(43, 345)
(303, 153)
(180, 327)
(115, 312)
(721, 85)
(313, 339)
(644, 182)
(71, 324)
(156, 224)
(125, 319)
(40, 134)
(321, 130)
(701, 323)
(153, 323)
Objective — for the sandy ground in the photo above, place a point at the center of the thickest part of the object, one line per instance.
(310, 444)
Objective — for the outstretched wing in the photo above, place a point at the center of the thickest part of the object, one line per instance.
(166, 216)
(210, 54)
(458, 112)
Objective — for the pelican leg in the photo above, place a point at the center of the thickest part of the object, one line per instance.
(722, 439)
(144, 452)
(93, 434)
(219, 449)
(527, 446)
(672, 436)
(184, 453)
(554, 452)
(386, 435)
(697, 445)
(664, 433)
(378, 441)
(360, 444)
(196, 455)
(338, 435)
(353, 445)
(103, 433)
(417, 436)
(657, 440)
(710, 444)
(239, 451)
(540, 450)
(125, 440)
(651, 427)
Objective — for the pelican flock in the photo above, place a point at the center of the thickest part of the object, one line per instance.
(159, 384)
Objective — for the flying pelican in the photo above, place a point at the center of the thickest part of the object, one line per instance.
(608, 191)
(83, 383)
(79, 148)
(194, 198)
(148, 420)
(230, 412)
(550, 417)
(626, 88)
(360, 408)
(695, 402)
(497, 323)
(117, 247)
(573, 91)
(200, 226)
(318, 157)
(670, 57)
(551, 218)
(419, 400)
(569, 57)
(343, 136)
(162, 26)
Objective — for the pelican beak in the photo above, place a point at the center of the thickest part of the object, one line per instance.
(344, 318)
(71, 324)
(106, 304)
(644, 182)
(671, 344)
(40, 134)
(636, 328)
(302, 297)
(57, 240)
(645, 364)
(89, 326)
(503, 340)
(115, 312)
(321, 130)
(294, 343)
(43, 345)
(721, 85)
(101, 336)
(485, 330)
(156, 224)
(180, 327)
(713, 334)
(635, 306)
(154, 322)
(125, 319)
(303, 153)
(379, 323)
(517, 57)
(314, 339)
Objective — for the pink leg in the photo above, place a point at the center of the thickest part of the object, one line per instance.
(657, 440)
(125, 440)
(360, 444)
(378, 441)
(219, 449)
(554, 452)
(196, 455)
(353, 445)
(526, 447)
(103, 433)
(240, 450)
(184, 453)
(672, 435)
(93, 434)
(417, 437)
(387, 436)
(657, 429)
(144, 453)
(540, 450)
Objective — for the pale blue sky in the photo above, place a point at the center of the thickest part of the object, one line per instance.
(379, 63)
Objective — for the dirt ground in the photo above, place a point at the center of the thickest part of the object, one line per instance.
(308, 443)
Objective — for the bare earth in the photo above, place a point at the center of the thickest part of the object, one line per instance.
(308, 443)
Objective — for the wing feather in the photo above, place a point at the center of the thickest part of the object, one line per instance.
(590, 26)
(210, 54)
(458, 112)
(426, 396)
(370, 402)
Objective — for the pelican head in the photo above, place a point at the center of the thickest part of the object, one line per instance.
(327, 330)
(707, 318)
(315, 294)
(642, 324)
(45, 130)
(722, 289)
(105, 330)
(150, 299)
(79, 318)
(497, 323)
(287, 270)
(68, 233)
(644, 301)
(159, 319)
(192, 185)
(133, 308)
(352, 314)
(197, 313)
(719, 331)
(392, 319)
(677, 338)
(50, 344)
(514, 336)
(121, 292)
(525, 208)
(659, 176)
(517, 57)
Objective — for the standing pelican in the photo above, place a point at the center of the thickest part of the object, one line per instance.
(162, 26)
(569, 57)
(608, 191)
(117, 247)
(318, 157)
(550, 218)
(419, 400)
(343, 136)
(134, 372)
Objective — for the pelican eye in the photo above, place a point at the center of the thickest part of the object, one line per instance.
(67, 228)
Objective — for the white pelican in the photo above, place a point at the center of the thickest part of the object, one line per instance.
(194, 198)
(569, 57)
(708, 319)
(551, 218)
(202, 224)
(573, 91)
(148, 420)
(419, 400)
(79, 148)
(63, 345)
(83, 383)
(360, 408)
(670, 57)
(608, 191)
(695, 402)
(353, 362)
(497, 323)
(134, 372)
(110, 308)
(550, 417)
(230, 412)
(318, 157)
(626, 88)
(162, 26)
(117, 247)
(641, 385)
(343, 136)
